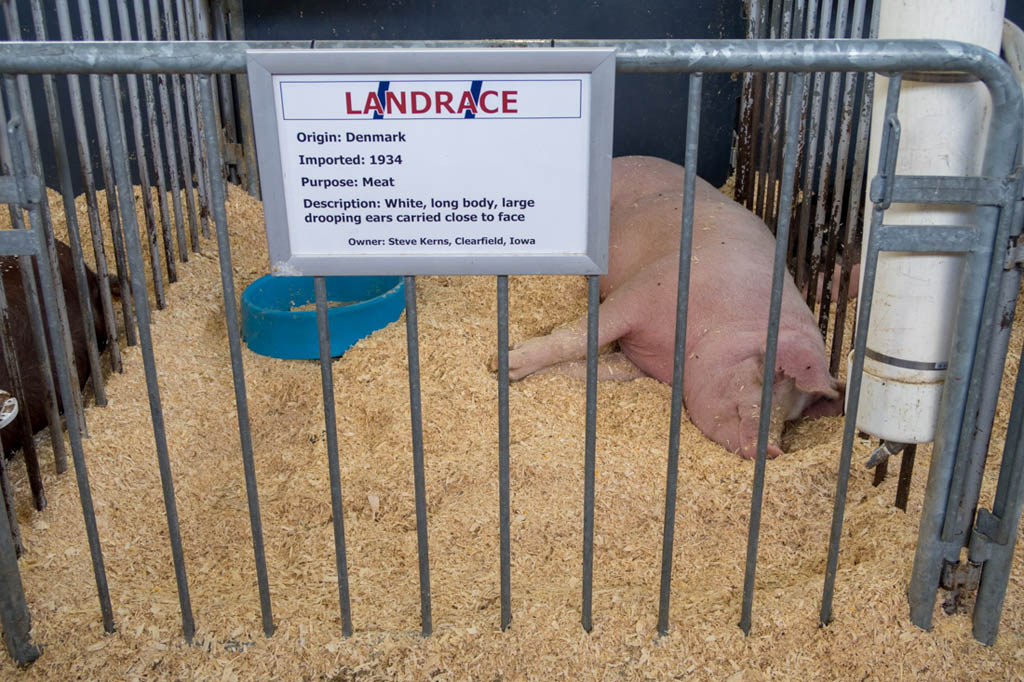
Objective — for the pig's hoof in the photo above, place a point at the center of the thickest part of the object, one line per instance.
(750, 452)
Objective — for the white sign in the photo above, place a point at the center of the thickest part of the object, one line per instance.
(367, 169)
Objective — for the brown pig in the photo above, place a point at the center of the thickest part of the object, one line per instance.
(730, 285)
(24, 345)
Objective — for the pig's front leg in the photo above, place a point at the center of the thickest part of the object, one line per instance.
(569, 343)
(536, 354)
(610, 367)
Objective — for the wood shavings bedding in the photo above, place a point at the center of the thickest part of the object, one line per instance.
(871, 637)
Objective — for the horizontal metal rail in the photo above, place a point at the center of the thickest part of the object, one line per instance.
(634, 56)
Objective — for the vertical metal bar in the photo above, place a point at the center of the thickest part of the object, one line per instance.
(886, 169)
(227, 100)
(836, 223)
(237, 31)
(95, 227)
(14, 615)
(19, 152)
(766, 130)
(165, 109)
(824, 236)
(504, 510)
(419, 479)
(331, 430)
(757, 120)
(679, 354)
(906, 473)
(806, 267)
(804, 18)
(154, 137)
(772, 340)
(785, 30)
(853, 218)
(187, 22)
(71, 217)
(805, 164)
(589, 447)
(745, 133)
(881, 469)
(139, 293)
(182, 129)
(106, 164)
(142, 163)
(220, 222)
(36, 164)
(33, 306)
(1000, 526)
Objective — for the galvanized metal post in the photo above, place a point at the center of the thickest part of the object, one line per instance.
(139, 293)
(772, 340)
(331, 431)
(589, 448)
(238, 374)
(504, 504)
(886, 169)
(679, 354)
(412, 338)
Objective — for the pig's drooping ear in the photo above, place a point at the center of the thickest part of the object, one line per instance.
(802, 359)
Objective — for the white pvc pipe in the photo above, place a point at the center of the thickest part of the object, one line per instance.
(943, 130)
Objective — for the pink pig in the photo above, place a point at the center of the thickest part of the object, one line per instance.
(730, 284)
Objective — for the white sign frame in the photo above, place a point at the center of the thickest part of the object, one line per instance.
(594, 66)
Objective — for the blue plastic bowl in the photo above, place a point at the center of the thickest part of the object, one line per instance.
(271, 326)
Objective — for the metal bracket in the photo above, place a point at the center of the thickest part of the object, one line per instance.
(960, 576)
(882, 184)
(986, 533)
(1015, 203)
(959, 579)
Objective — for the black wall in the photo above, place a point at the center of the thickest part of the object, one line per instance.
(650, 109)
